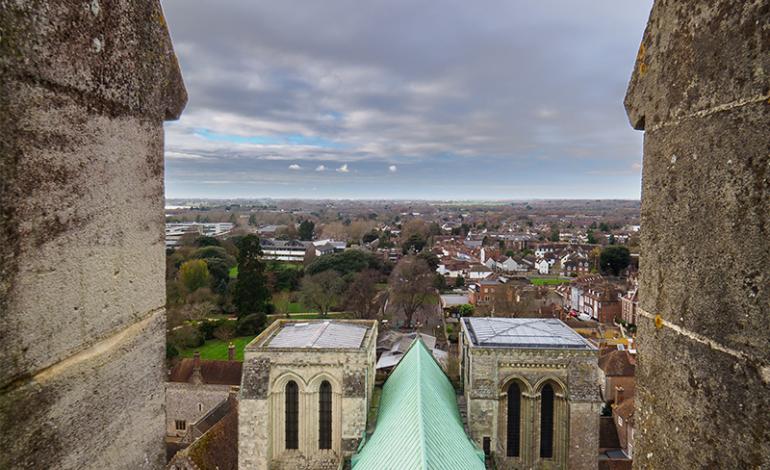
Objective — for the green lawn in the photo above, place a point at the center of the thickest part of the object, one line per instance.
(299, 307)
(216, 349)
(547, 281)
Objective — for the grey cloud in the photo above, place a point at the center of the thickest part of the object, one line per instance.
(408, 81)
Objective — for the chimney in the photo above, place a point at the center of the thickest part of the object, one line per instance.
(196, 377)
(231, 352)
(619, 395)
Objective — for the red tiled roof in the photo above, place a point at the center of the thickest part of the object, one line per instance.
(625, 410)
(608, 433)
(617, 363)
(615, 464)
(213, 372)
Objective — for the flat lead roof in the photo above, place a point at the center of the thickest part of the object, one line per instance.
(524, 333)
(327, 334)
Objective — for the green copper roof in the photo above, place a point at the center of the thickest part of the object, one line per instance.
(418, 424)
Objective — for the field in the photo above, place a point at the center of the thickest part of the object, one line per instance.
(547, 281)
(216, 349)
(299, 307)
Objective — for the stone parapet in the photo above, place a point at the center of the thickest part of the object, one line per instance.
(84, 91)
(700, 91)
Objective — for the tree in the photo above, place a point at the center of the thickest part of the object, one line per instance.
(370, 237)
(356, 230)
(439, 282)
(306, 229)
(334, 230)
(288, 232)
(250, 324)
(322, 290)
(411, 286)
(282, 301)
(604, 227)
(251, 292)
(361, 293)
(430, 258)
(310, 256)
(194, 274)
(253, 219)
(614, 259)
(594, 256)
(416, 242)
(554, 233)
(591, 237)
(220, 274)
(225, 331)
(466, 310)
(459, 281)
(346, 262)
(204, 240)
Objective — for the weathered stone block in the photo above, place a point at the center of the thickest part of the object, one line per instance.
(700, 90)
(85, 87)
(354, 383)
(256, 378)
(706, 219)
(696, 56)
(101, 409)
(697, 407)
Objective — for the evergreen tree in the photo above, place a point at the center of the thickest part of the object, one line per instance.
(614, 259)
(306, 229)
(251, 292)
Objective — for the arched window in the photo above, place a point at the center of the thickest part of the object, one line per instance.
(325, 416)
(546, 422)
(292, 415)
(514, 420)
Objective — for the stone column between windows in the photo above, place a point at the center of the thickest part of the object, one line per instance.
(278, 410)
(561, 431)
(530, 407)
(306, 432)
(314, 423)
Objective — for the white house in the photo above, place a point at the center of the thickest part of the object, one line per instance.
(511, 265)
(479, 271)
(543, 266)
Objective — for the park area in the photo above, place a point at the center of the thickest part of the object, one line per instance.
(548, 281)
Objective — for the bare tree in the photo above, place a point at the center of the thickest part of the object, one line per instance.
(411, 286)
(282, 301)
(322, 290)
(225, 331)
(360, 297)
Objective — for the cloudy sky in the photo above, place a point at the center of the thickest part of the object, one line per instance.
(405, 99)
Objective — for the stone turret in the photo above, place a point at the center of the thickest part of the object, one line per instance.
(700, 91)
(84, 89)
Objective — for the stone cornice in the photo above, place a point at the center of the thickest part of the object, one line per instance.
(533, 365)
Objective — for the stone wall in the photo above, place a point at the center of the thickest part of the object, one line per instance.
(583, 435)
(183, 400)
(84, 91)
(701, 91)
(576, 440)
(261, 413)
